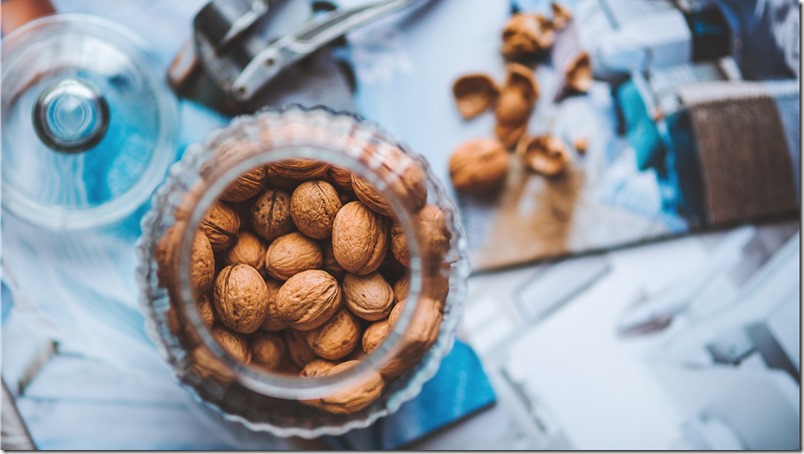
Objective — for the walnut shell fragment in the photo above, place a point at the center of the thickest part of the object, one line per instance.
(578, 76)
(478, 165)
(515, 104)
(474, 94)
(561, 16)
(220, 225)
(337, 337)
(270, 214)
(308, 299)
(353, 399)
(544, 154)
(359, 238)
(527, 35)
(291, 254)
(313, 207)
(240, 298)
(369, 297)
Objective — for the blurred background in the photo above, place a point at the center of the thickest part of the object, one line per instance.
(649, 298)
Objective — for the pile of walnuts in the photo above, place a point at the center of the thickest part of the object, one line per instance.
(302, 268)
(481, 165)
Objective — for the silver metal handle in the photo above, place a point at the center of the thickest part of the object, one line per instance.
(317, 33)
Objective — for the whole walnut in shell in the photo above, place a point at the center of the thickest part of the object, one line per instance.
(478, 165)
(353, 399)
(206, 311)
(240, 298)
(233, 343)
(273, 320)
(299, 352)
(337, 337)
(267, 350)
(527, 35)
(341, 178)
(359, 238)
(308, 299)
(317, 368)
(245, 186)
(331, 265)
(291, 254)
(376, 334)
(313, 207)
(299, 169)
(220, 225)
(544, 154)
(396, 312)
(270, 214)
(248, 249)
(431, 225)
(474, 94)
(401, 287)
(420, 335)
(202, 259)
(369, 297)
(399, 244)
(404, 176)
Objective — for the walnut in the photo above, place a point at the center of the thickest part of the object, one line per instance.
(369, 297)
(245, 186)
(526, 35)
(206, 311)
(340, 177)
(578, 75)
(544, 154)
(396, 312)
(313, 207)
(354, 398)
(220, 225)
(291, 254)
(399, 244)
(337, 337)
(299, 169)
(515, 104)
(248, 249)
(401, 287)
(431, 224)
(273, 321)
(267, 350)
(298, 350)
(331, 265)
(478, 165)
(308, 299)
(435, 282)
(317, 368)
(376, 334)
(240, 298)
(420, 335)
(509, 135)
(474, 94)
(404, 176)
(359, 238)
(561, 16)
(270, 214)
(233, 343)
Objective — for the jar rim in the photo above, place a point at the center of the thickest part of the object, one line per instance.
(283, 385)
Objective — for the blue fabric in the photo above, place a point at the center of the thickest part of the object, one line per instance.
(641, 130)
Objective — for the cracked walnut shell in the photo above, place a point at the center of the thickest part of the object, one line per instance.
(337, 337)
(291, 254)
(526, 35)
(544, 154)
(369, 297)
(308, 299)
(270, 214)
(478, 165)
(474, 94)
(313, 207)
(359, 238)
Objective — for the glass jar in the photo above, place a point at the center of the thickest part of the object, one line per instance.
(270, 401)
